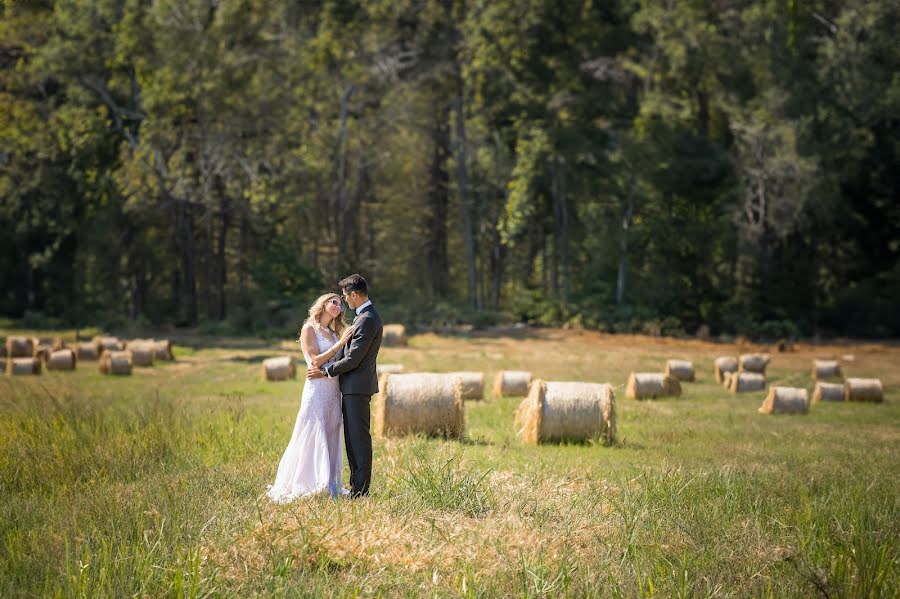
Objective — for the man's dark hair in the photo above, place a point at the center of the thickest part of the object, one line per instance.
(355, 283)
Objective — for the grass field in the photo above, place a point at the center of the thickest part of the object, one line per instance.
(152, 485)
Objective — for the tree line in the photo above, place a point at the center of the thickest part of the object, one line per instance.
(637, 165)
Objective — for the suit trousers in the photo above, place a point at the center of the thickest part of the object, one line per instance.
(358, 442)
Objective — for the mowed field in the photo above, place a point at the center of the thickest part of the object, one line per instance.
(153, 485)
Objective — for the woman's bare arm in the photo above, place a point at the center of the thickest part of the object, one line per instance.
(308, 340)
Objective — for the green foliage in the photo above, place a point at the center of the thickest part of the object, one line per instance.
(626, 165)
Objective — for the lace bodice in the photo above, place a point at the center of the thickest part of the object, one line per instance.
(323, 341)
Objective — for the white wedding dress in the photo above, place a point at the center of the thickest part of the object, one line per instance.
(313, 461)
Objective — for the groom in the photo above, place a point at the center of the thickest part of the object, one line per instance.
(358, 381)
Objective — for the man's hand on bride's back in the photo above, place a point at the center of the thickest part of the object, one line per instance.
(314, 373)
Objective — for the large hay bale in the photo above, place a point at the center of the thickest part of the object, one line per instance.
(785, 400)
(753, 363)
(724, 364)
(105, 344)
(23, 366)
(142, 353)
(683, 370)
(116, 362)
(20, 347)
(744, 382)
(62, 359)
(162, 350)
(472, 384)
(87, 351)
(393, 335)
(512, 383)
(55, 343)
(279, 369)
(863, 390)
(421, 403)
(828, 392)
(559, 411)
(650, 385)
(824, 370)
(389, 369)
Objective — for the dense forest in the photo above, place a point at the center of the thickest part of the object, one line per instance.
(661, 166)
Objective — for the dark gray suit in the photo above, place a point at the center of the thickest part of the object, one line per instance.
(359, 381)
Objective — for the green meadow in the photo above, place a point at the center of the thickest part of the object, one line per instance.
(153, 485)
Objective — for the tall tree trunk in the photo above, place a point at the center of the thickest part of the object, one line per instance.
(221, 274)
(437, 204)
(561, 221)
(461, 175)
(623, 248)
(341, 199)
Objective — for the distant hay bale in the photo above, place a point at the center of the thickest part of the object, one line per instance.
(785, 400)
(828, 392)
(512, 383)
(142, 353)
(753, 363)
(389, 369)
(420, 403)
(87, 350)
(23, 366)
(744, 382)
(863, 390)
(393, 335)
(162, 350)
(106, 344)
(20, 347)
(55, 343)
(559, 411)
(116, 362)
(62, 359)
(824, 370)
(472, 384)
(650, 385)
(683, 370)
(723, 365)
(279, 369)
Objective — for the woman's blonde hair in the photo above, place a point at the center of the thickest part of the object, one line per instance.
(315, 312)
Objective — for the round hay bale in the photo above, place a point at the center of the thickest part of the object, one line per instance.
(472, 384)
(116, 362)
(162, 350)
(512, 383)
(723, 365)
(87, 351)
(393, 335)
(650, 385)
(744, 382)
(389, 369)
(279, 369)
(785, 400)
(106, 344)
(62, 359)
(683, 370)
(559, 411)
(421, 403)
(753, 363)
(824, 370)
(20, 347)
(828, 392)
(55, 343)
(142, 354)
(863, 390)
(23, 366)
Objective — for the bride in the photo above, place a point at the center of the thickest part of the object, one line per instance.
(312, 462)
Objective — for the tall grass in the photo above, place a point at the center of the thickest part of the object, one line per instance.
(152, 486)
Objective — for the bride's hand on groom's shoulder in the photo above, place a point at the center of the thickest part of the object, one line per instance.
(345, 336)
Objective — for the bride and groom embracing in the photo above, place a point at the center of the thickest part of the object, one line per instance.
(339, 387)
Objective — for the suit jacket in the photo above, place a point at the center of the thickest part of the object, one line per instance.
(356, 365)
